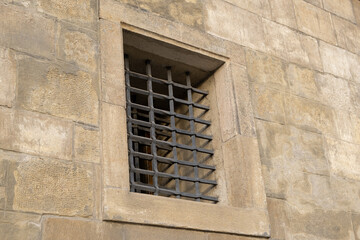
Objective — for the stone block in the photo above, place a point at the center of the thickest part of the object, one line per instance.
(24, 226)
(244, 182)
(35, 134)
(317, 3)
(266, 70)
(114, 143)
(334, 60)
(356, 225)
(7, 77)
(87, 144)
(187, 12)
(314, 21)
(348, 34)
(282, 11)
(348, 126)
(355, 97)
(241, 27)
(236, 53)
(225, 95)
(83, 12)
(309, 115)
(58, 89)
(23, 31)
(344, 158)
(354, 63)
(79, 46)
(48, 186)
(219, 236)
(341, 8)
(259, 7)
(333, 91)
(279, 221)
(112, 63)
(283, 42)
(346, 194)
(268, 104)
(243, 100)
(62, 228)
(320, 224)
(356, 8)
(302, 82)
(140, 232)
(311, 47)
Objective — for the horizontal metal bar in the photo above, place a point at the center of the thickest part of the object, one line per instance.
(150, 188)
(168, 175)
(159, 80)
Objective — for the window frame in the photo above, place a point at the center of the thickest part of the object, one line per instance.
(119, 204)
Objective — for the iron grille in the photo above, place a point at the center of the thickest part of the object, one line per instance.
(168, 144)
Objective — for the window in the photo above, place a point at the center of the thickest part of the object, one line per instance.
(169, 140)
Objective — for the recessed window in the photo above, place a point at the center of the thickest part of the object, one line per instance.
(168, 124)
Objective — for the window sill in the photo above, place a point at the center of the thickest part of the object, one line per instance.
(124, 206)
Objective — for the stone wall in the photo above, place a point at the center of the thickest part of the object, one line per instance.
(299, 59)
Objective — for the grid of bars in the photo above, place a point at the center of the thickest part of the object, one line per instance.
(168, 146)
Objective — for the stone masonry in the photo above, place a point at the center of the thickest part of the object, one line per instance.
(291, 105)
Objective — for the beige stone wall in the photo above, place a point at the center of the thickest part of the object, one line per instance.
(294, 68)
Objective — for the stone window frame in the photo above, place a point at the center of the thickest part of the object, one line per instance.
(230, 215)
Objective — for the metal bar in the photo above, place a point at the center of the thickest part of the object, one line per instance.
(152, 128)
(192, 130)
(173, 132)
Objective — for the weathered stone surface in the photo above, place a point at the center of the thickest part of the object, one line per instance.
(311, 47)
(87, 144)
(27, 32)
(268, 104)
(333, 91)
(314, 21)
(60, 188)
(346, 194)
(219, 236)
(348, 34)
(266, 70)
(344, 158)
(260, 7)
(236, 52)
(112, 63)
(244, 184)
(78, 46)
(356, 8)
(334, 60)
(243, 100)
(283, 42)
(61, 229)
(320, 224)
(355, 97)
(2, 197)
(14, 225)
(241, 26)
(356, 225)
(59, 90)
(354, 63)
(81, 11)
(282, 11)
(341, 8)
(279, 222)
(302, 81)
(138, 232)
(114, 143)
(35, 133)
(309, 115)
(348, 126)
(188, 12)
(226, 102)
(317, 3)
(7, 77)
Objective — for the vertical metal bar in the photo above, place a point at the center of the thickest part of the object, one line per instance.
(173, 133)
(152, 128)
(193, 137)
(136, 147)
(129, 124)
